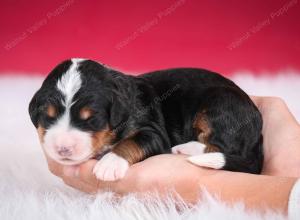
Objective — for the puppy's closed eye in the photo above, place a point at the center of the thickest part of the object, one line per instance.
(86, 113)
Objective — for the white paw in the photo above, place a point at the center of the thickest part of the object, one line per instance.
(213, 160)
(111, 167)
(190, 148)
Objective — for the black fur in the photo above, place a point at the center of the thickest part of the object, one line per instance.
(160, 108)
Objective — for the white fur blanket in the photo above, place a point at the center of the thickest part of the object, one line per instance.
(29, 191)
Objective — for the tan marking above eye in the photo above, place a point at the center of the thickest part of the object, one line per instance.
(85, 113)
(51, 111)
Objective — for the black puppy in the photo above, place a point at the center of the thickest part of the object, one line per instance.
(86, 110)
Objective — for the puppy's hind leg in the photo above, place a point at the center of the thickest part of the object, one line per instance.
(200, 156)
(215, 160)
(211, 156)
(190, 148)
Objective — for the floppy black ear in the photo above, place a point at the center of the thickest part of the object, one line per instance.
(118, 113)
(34, 109)
(121, 93)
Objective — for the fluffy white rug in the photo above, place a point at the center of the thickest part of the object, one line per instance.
(29, 191)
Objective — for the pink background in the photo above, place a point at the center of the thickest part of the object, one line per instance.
(135, 35)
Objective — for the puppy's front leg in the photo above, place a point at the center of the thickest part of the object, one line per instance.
(113, 165)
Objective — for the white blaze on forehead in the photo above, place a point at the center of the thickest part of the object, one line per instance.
(70, 82)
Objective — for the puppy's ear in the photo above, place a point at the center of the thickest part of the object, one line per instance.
(34, 109)
(118, 112)
(120, 102)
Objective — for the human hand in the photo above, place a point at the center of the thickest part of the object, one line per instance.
(169, 173)
(160, 173)
(282, 158)
(281, 133)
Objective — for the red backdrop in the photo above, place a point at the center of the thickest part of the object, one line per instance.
(136, 35)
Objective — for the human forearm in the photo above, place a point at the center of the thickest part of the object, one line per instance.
(257, 192)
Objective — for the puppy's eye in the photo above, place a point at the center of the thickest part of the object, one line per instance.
(51, 111)
(86, 113)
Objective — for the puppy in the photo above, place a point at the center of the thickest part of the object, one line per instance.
(86, 110)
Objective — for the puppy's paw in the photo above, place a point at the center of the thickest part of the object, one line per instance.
(111, 167)
(190, 148)
(213, 160)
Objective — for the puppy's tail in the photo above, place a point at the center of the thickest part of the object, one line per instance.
(252, 163)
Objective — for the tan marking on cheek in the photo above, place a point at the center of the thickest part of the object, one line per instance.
(102, 138)
(41, 132)
(51, 111)
(130, 151)
(211, 148)
(85, 113)
(202, 127)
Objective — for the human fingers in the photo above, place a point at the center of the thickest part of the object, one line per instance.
(54, 167)
(84, 173)
(80, 185)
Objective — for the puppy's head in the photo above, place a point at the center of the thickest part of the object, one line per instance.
(75, 109)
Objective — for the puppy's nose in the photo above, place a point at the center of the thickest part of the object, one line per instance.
(64, 151)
